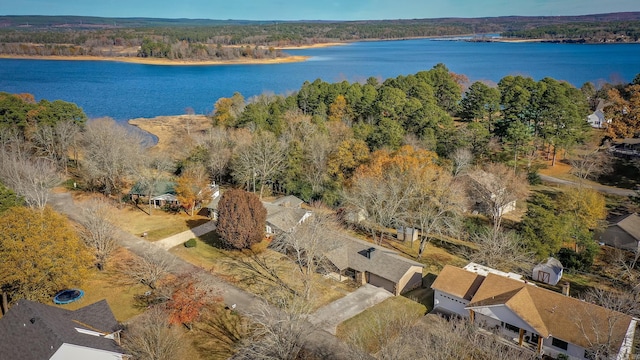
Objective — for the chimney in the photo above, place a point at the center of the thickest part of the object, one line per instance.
(565, 288)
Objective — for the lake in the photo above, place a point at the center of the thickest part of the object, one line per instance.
(124, 91)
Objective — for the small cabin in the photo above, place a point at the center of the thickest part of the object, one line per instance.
(549, 272)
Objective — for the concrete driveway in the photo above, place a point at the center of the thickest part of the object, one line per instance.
(330, 316)
(177, 239)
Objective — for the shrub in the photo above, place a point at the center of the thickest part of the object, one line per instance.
(534, 178)
(190, 243)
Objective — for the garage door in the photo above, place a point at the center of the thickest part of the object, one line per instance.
(378, 281)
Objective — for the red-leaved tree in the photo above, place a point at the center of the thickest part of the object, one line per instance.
(187, 302)
(241, 219)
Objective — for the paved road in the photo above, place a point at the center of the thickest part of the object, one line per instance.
(177, 239)
(600, 188)
(319, 341)
(330, 316)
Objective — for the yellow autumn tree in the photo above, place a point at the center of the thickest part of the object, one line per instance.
(346, 158)
(40, 254)
(338, 110)
(192, 188)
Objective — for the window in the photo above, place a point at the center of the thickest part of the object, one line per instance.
(559, 344)
(511, 327)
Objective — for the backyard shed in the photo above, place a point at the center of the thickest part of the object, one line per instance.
(549, 272)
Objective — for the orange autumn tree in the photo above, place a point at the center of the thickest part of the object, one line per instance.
(187, 302)
(624, 113)
(192, 187)
(386, 187)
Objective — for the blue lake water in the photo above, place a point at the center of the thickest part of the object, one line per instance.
(124, 91)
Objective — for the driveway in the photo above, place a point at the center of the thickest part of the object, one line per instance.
(330, 316)
(319, 341)
(599, 188)
(177, 239)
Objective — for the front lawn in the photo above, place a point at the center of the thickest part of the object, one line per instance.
(110, 285)
(258, 273)
(376, 325)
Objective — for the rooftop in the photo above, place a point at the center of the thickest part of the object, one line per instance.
(34, 331)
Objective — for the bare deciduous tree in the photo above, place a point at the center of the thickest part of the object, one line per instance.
(261, 162)
(383, 199)
(590, 163)
(156, 169)
(111, 154)
(500, 249)
(317, 154)
(55, 141)
(32, 179)
(280, 332)
(435, 207)
(218, 145)
(151, 337)
(148, 269)
(603, 329)
(495, 187)
(434, 338)
(98, 232)
(308, 244)
(462, 159)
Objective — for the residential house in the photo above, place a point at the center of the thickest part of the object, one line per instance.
(282, 215)
(162, 193)
(541, 320)
(283, 218)
(598, 120)
(34, 331)
(623, 232)
(483, 192)
(549, 272)
(375, 265)
(289, 201)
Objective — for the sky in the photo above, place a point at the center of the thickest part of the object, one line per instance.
(313, 9)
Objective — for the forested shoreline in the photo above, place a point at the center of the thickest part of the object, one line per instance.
(225, 40)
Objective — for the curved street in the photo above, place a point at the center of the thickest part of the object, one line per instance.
(320, 341)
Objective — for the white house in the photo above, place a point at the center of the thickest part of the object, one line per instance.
(34, 331)
(549, 272)
(544, 321)
(598, 119)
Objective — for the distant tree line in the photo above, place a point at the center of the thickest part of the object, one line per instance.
(596, 32)
(204, 39)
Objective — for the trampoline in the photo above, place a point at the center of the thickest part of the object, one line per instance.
(68, 296)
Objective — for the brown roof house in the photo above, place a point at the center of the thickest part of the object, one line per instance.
(541, 320)
(375, 265)
(34, 331)
(623, 233)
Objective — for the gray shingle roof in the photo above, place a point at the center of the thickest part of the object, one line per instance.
(34, 331)
(288, 201)
(380, 261)
(160, 188)
(284, 218)
(630, 224)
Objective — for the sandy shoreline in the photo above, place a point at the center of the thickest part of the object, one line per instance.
(156, 61)
(172, 131)
(313, 46)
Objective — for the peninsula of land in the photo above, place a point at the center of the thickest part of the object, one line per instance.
(160, 61)
(216, 42)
